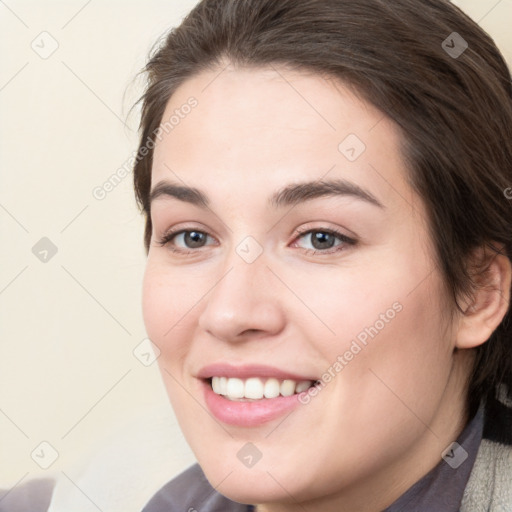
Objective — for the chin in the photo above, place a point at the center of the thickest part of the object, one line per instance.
(267, 481)
(245, 486)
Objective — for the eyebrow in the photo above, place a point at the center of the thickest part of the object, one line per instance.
(290, 195)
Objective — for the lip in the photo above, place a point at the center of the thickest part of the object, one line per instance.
(250, 370)
(247, 414)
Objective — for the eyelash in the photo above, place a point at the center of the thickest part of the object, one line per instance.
(171, 234)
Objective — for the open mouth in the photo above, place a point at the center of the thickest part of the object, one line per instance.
(256, 388)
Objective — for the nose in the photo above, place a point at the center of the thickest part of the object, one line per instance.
(243, 303)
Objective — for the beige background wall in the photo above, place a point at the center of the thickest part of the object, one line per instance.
(69, 325)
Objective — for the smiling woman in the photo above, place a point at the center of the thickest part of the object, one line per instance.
(331, 216)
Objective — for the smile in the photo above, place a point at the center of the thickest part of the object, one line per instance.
(256, 388)
(251, 395)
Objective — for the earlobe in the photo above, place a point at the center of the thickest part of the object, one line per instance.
(489, 304)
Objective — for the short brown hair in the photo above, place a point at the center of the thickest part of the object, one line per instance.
(454, 111)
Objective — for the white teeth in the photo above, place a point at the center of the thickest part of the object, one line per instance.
(216, 385)
(287, 387)
(223, 385)
(255, 388)
(303, 386)
(235, 388)
(272, 388)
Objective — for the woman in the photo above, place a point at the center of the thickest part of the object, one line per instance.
(326, 185)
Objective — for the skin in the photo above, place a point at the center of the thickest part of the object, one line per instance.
(384, 420)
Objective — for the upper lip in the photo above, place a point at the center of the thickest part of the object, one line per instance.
(249, 370)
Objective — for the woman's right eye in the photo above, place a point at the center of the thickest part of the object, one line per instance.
(190, 240)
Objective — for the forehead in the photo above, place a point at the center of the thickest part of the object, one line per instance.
(266, 126)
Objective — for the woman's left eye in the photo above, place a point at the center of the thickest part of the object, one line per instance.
(322, 240)
(325, 241)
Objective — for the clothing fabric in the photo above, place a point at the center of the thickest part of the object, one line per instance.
(32, 496)
(442, 488)
(490, 485)
(482, 482)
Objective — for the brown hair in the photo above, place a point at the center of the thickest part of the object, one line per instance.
(455, 113)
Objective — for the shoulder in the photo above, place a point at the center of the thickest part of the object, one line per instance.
(498, 417)
(190, 491)
(490, 484)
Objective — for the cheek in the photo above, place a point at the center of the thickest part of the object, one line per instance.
(163, 305)
(392, 342)
(400, 358)
(167, 317)
(155, 307)
(411, 354)
(172, 298)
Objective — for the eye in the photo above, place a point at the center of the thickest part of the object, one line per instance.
(325, 240)
(184, 241)
(188, 241)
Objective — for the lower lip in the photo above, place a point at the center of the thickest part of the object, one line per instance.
(248, 414)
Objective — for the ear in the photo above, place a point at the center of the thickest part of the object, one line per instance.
(488, 305)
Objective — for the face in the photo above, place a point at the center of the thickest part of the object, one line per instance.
(304, 259)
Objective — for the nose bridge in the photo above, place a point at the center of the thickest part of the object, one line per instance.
(245, 270)
(242, 298)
